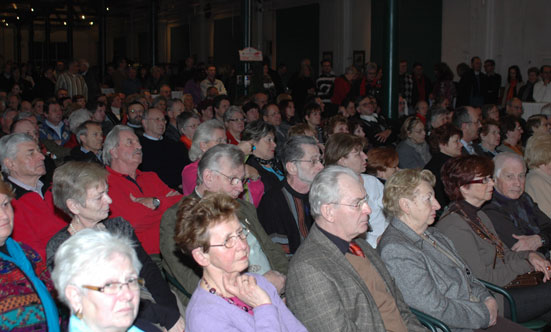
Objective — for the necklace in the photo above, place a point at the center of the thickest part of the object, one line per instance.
(231, 300)
(72, 228)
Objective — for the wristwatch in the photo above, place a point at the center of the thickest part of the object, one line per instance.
(156, 203)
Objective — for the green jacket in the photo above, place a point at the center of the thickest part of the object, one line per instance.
(182, 269)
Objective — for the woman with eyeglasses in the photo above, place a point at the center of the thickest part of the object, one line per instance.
(234, 120)
(413, 150)
(467, 181)
(226, 299)
(96, 276)
(80, 190)
(347, 150)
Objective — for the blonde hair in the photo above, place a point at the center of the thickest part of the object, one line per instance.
(538, 150)
(402, 184)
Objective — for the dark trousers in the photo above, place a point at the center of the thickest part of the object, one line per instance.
(532, 302)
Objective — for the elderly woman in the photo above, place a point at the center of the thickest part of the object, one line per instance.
(80, 190)
(347, 150)
(511, 135)
(187, 123)
(234, 120)
(519, 222)
(24, 279)
(262, 136)
(430, 273)
(413, 150)
(226, 299)
(489, 139)
(96, 276)
(468, 182)
(538, 181)
(445, 140)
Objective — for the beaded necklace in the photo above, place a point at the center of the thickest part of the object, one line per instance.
(234, 300)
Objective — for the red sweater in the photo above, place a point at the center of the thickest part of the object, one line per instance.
(146, 222)
(36, 220)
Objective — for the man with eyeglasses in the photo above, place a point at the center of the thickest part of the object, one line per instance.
(221, 169)
(135, 116)
(518, 220)
(467, 119)
(161, 155)
(284, 211)
(336, 281)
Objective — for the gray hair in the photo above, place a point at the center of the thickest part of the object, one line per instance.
(325, 188)
(77, 118)
(256, 130)
(24, 115)
(231, 111)
(112, 141)
(170, 104)
(84, 253)
(9, 147)
(211, 159)
(157, 100)
(501, 160)
(436, 112)
(292, 149)
(82, 129)
(461, 116)
(203, 134)
(183, 118)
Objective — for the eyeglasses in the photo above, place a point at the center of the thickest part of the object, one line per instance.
(136, 111)
(114, 288)
(231, 241)
(485, 180)
(312, 161)
(234, 181)
(357, 205)
(236, 120)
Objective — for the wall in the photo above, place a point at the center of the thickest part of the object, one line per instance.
(509, 31)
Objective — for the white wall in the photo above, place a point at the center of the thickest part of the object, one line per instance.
(509, 31)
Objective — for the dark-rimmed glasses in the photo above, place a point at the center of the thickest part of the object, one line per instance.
(484, 180)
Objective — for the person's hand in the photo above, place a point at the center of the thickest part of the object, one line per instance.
(246, 147)
(145, 201)
(245, 288)
(526, 242)
(491, 304)
(540, 264)
(179, 326)
(383, 135)
(251, 173)
(277, 279)
(172, 193)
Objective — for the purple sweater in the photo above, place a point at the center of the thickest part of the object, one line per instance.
(208, 312)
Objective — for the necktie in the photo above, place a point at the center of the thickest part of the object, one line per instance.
(355, 249)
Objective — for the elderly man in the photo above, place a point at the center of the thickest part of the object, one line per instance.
(36, 220)
(72, 81)
(336, 281)
(518, 220)
(174, 107)
(90, 139)
(467, 119)
(222, 169)
(284, 211)
(139, 197)
(161, 155)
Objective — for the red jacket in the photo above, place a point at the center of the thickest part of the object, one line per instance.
(146, 221)
(36, 220)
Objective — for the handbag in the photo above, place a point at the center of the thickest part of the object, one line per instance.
(533, 278)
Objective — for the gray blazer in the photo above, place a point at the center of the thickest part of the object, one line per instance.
(326, 293)
(432, 282)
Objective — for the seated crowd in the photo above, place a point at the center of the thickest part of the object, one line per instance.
(172, 204)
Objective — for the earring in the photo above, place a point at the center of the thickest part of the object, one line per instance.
(254, 147)
(78, 314)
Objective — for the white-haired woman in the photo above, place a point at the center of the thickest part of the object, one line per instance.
(80, 190)
(96, 276)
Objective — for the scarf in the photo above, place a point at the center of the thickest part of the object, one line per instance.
(17, 257)
(421, 149)
(271, 163)
(511, 92)
(470, 216)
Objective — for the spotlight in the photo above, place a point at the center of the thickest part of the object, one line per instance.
(32, 9)
(91, 23)
(17, 18)
(64, 23)
(107, 8)
(83, 17)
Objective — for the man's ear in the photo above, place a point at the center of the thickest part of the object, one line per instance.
(207, 177)
(9, 163)
(291, 168)
(202, 258)
(328, 212)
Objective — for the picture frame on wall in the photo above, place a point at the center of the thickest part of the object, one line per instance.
(358, 59)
